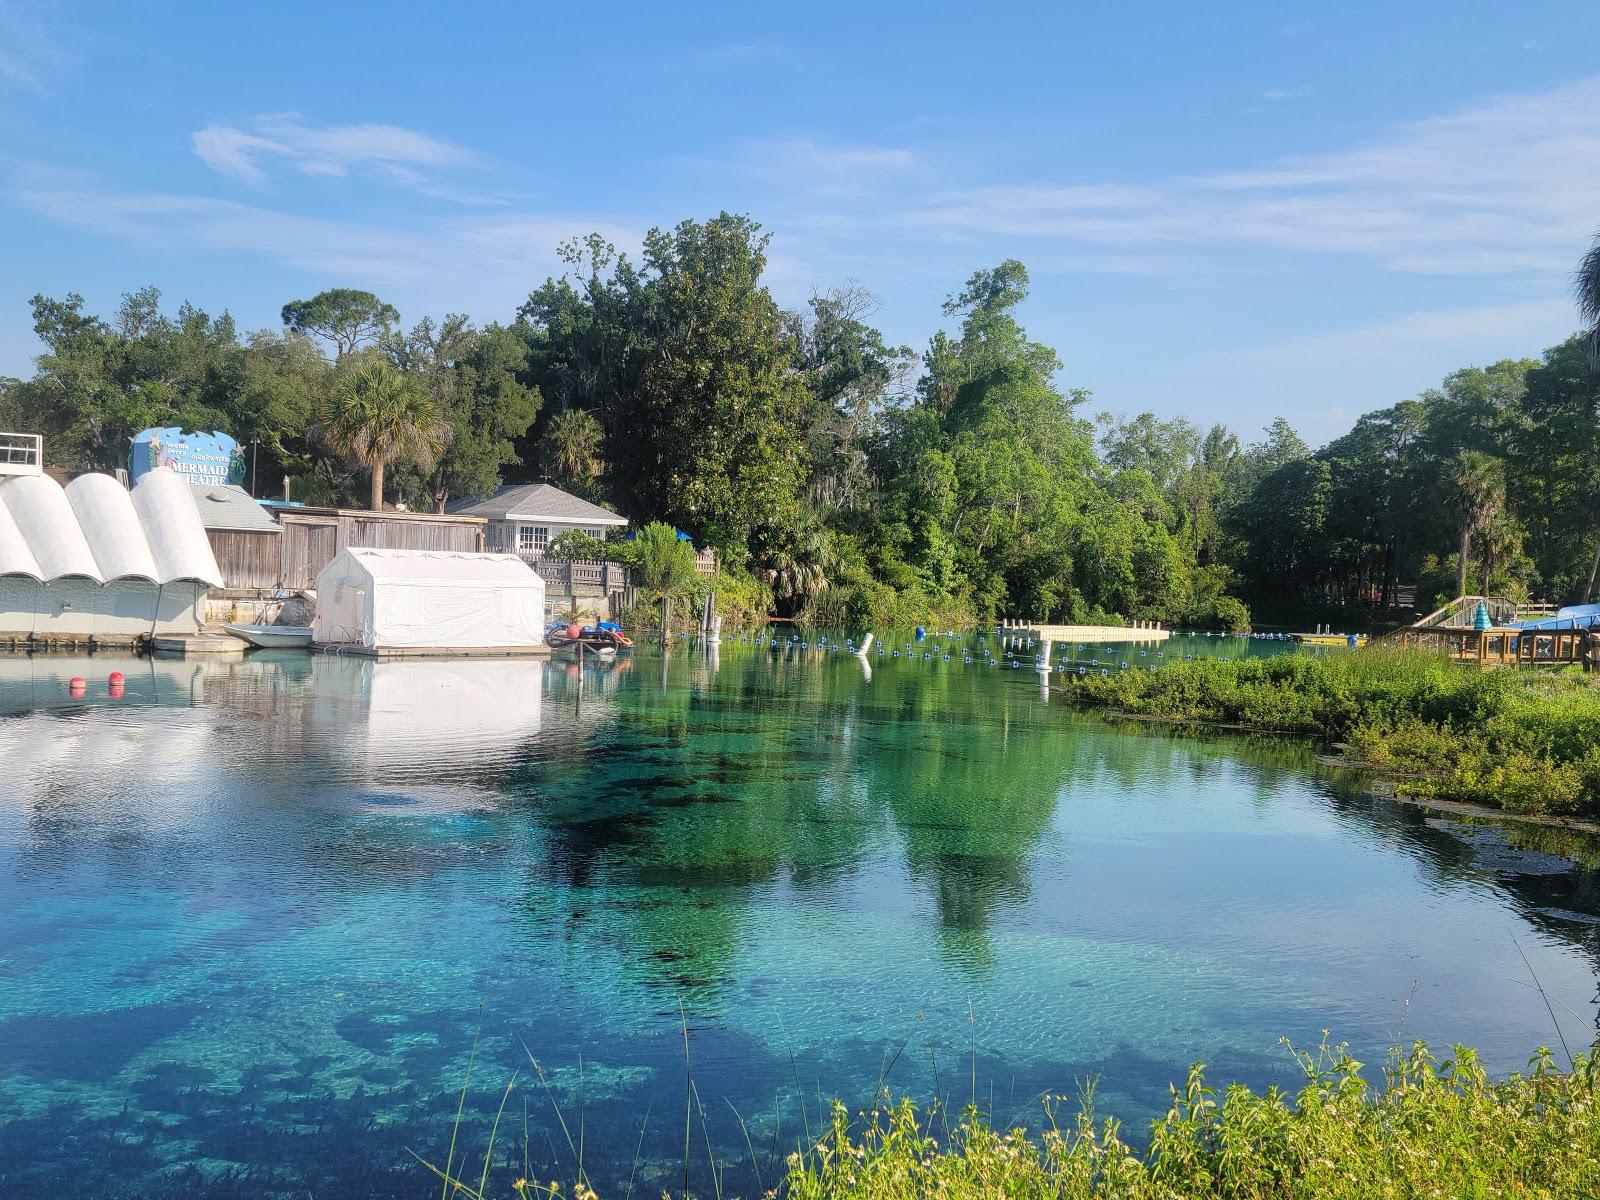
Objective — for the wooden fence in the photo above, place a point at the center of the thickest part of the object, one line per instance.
(308, 539)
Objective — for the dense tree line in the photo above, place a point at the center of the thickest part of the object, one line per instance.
(1489, 483)
(856, 481)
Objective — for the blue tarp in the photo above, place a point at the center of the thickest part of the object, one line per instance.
(1574, 616)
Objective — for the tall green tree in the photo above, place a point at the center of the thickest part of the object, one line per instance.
(475, 379)
(1586, 289)
(684, 362)
(1478, 494)
(377, 416)
(346, 318)
(574, 450)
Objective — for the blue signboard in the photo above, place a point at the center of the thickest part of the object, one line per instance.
(209, 458)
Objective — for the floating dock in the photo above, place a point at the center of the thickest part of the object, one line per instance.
(1147, 631)
(384, 653)
(207, 641)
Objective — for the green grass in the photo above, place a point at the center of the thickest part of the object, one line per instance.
(1428, 1129)
(1525, 741)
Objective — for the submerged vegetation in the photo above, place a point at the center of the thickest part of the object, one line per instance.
(1430, 1129)
(1524, 741)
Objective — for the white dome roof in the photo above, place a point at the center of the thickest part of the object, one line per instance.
(96, 529)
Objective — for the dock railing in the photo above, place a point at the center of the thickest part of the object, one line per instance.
(1500, 647)
(21, 454)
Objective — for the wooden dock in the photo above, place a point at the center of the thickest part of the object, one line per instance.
(209, 641)
(1140, 631)
(1449, 630)
(1500, 647)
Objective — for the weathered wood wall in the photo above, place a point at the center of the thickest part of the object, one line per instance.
(310, 538)
(247, 559)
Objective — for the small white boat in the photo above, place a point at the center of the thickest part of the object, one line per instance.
(273, 637)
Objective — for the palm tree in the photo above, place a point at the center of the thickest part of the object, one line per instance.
(664, 567)
(1480, 493)
(377, 416)
(572, 446)
(1586, 288)
(1499, 541)
(800, 570)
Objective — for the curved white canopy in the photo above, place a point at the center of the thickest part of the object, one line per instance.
(172, 525)
(15, 556)
(94, 529)
(41, 510)
(110, 525)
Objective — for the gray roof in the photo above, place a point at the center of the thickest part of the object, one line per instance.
(229, 506)
(536, 502)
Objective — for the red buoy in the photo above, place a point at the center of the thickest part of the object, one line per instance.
(115, 679)
(76, 684)
(574, 631)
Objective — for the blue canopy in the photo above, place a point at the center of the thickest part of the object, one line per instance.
(1574, 616)
(682, 536)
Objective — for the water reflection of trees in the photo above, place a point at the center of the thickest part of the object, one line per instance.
(651, 820)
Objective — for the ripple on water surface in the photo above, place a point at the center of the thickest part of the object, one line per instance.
(260, 913)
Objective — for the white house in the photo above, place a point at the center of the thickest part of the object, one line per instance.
(524, 518)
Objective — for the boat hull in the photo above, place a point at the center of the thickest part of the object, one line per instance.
(273, 637)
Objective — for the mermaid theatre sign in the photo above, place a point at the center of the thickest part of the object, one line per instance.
(208, 458)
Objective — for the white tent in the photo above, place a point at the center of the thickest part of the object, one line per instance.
(414, 599)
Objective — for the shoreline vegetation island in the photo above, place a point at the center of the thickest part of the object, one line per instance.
(740, 706)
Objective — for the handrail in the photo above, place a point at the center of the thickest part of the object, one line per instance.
(21, 454)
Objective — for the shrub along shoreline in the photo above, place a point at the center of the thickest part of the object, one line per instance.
(1524, 742)
(1429, 1128)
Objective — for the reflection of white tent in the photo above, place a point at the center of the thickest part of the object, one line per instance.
(389, 720)
(423, 599)
(93, 558)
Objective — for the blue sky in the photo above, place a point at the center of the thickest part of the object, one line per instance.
(1229, 211)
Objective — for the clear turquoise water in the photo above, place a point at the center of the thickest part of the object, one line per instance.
(254, 915)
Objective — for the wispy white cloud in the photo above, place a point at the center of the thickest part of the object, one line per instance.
(1504, 188)
(32, 58)
(402, 156)
(805, 165)
(743, 52)
(496, 259)
(1294, 93)
(1474, 334)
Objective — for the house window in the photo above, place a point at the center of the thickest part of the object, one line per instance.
(532, 539)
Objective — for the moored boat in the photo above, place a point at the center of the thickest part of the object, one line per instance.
(604, 640)
(273, 637)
